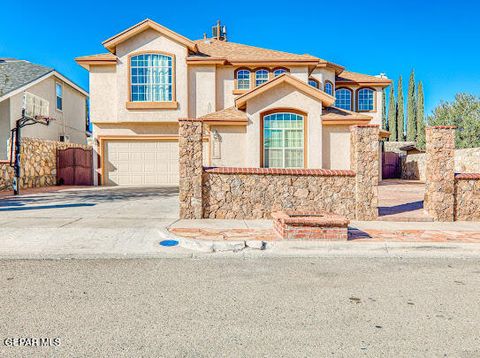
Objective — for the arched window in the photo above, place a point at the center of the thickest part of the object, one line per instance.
(279, 71)
(283, 140)
(328, 88)
(261, 76)
(151, 78)
(343, 98)
(314, 83)
(243, 79)
(365, 100)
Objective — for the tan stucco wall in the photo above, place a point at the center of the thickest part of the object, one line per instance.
(322, 75)
(4, 128)
(336, 147)
(70, 121)
(301, 72)
(202, 90)
(285, 96)
(232, 145)
(151, 41)
(225, 85)
(103, 93)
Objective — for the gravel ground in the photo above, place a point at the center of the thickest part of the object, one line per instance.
(229, 307)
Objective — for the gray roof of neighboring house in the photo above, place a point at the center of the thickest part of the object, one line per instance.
(18, 73)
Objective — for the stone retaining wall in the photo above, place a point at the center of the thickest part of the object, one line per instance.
(254, 193)
(448, 196)
(466, 161)
(38, 163)
(467, 197)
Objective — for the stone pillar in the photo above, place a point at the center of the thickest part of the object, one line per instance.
(191, 168)
(364, 160)
(440, 173)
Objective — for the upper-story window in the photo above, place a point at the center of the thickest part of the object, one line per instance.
(59, 96)
(243, 79)
(365, 99)
(151, 78)
(261, 76)
(312, 82)
(328, 88)
(343, 98)
(279, 71)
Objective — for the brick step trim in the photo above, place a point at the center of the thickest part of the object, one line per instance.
(279, 171)
(467, 176)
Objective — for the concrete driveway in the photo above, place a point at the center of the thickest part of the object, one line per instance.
(89, 221)
(99, 207)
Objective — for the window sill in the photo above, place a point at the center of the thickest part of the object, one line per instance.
(152, 105)
(237, 91)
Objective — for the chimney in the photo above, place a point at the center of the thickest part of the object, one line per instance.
(219, 32)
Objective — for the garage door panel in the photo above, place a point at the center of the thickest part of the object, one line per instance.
(141, 162)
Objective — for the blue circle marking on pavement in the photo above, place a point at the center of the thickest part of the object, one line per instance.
(169, 243)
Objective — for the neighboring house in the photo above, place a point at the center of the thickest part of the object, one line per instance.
(263, 108)
(66, 102)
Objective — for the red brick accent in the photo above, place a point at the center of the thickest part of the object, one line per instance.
(366, 125)
(310, 225)
(467, 176)
(278, 171)
(443, 127)
(190, 120)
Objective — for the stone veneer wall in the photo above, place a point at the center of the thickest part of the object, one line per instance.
(191, 167)
(440, 172)
(467, 197)
(364, 153)
(467, 160)
(254, 193)
(38, 163)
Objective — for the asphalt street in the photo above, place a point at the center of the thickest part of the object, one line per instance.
(232, 307)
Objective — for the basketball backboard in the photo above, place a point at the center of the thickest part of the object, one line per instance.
(35, 106)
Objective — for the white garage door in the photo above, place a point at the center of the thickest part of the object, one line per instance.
(143, 162)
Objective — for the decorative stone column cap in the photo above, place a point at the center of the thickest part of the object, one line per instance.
(442, 127)
(190, 120)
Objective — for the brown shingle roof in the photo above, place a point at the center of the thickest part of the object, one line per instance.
(347, 77)
(334, 113)
(230, 114)
(235, 52)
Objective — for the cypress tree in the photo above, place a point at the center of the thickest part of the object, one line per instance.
(392, 115)
(411, 119)
(420, 117)
(400, 112)
(384, 111)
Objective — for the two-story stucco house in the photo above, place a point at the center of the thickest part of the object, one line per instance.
(263, 108)
(66, 103)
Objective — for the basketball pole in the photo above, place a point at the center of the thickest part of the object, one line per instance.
(19, 124)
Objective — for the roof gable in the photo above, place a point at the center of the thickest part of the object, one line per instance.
(303, 87)
(146, 24)
(15, 74)
(354, 78)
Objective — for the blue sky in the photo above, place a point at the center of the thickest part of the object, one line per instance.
(440, 39)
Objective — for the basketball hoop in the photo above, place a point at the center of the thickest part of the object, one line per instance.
(43, 119)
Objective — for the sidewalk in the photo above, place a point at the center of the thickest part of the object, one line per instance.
(359, 231)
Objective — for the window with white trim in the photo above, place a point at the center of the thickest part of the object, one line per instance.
(365, 98)
(59, 96)
(151, 78)
(243, 79)
(261, 76)
(283, 140)
(343, 99)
